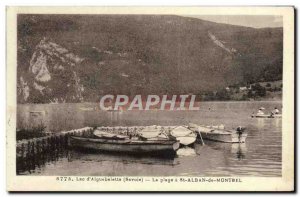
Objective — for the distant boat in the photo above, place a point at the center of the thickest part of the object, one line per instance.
(220, 135)
(184, 135)
(266, 116)
(165, 148)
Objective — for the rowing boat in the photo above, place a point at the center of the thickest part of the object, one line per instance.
(126, 146)
(266, 115)
(152, 133)
(221, 135)
(184, 135)
(105, 135)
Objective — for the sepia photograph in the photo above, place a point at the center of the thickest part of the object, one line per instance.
(183, 97)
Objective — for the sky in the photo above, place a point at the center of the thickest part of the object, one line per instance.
(243, 20)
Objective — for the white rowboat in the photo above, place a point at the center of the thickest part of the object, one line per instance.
(184, 135)
(220, 135)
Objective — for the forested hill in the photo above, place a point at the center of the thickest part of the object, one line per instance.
(76, 58)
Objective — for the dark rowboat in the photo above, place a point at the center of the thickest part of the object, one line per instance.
(266, 116)
(126, 146)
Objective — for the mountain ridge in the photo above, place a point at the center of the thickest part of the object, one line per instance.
(142, 54)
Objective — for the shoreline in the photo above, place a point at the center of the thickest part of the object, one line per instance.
(229, 101)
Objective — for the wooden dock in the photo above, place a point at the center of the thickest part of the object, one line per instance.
(51, 142)
(55, 141)
(36, 152)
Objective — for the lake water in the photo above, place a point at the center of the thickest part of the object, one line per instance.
(259, 156)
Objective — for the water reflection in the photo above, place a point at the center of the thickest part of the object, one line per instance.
(239, 150)
(261, 122)
(278, 122)
(184, 155)
(32, 164)
(126, 159)
(186, 151)
(38, 162)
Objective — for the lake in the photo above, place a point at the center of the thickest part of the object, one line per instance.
(259, 156)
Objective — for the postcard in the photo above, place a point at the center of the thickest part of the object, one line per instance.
(150, 99)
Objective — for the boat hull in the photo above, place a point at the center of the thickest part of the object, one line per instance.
(267, 116)
(162, 147)
(150, 132)
(183, 135)
(227, 138)
(219, 135)
(186, 140)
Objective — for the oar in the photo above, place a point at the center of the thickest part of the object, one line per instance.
(201, 137)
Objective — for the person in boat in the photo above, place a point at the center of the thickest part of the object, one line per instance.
(260, 111)
(276, 111)
(240, 130)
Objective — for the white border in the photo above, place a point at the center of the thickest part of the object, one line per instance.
(287, 95)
